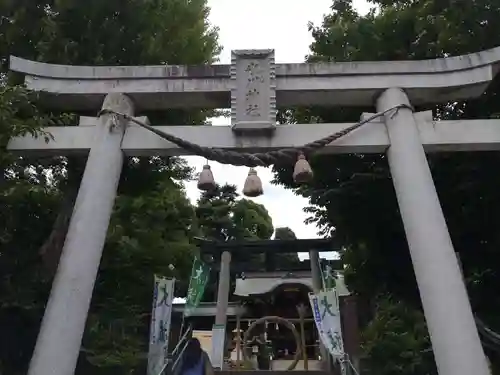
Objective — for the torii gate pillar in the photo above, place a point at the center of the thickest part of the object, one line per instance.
(454, 337)
(58, 344)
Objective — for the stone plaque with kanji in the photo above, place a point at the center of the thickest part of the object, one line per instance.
(253, 94)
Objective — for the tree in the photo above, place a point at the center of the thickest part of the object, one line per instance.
(283, 261)
(224, 217)
(251, 221)
(355, 201)
(114, 32)
(405, 340)
(214, 211)
(152, 223)
(284, 233)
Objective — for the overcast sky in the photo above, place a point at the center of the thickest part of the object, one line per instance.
(280, 25)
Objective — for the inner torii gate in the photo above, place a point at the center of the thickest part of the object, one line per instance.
(405, 137)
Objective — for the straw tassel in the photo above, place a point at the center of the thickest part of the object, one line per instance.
(302, 172)
(253, 184)
(206, 180)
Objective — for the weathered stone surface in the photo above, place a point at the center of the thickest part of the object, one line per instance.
(253, 94)
(460, 135)
(349, 83)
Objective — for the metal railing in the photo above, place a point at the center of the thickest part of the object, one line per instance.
(174, 357)
(348, 367)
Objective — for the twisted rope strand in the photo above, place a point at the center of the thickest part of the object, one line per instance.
(247, 159)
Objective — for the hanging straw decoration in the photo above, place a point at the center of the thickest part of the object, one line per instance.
(253, 184)
(302, 172)
(206, 180)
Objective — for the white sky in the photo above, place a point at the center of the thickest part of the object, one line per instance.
(282, 26)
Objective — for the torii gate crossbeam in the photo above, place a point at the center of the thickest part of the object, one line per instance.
(436, 136)
(403, 135)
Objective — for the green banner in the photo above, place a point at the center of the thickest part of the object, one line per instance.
(327, 274)
(199, 278)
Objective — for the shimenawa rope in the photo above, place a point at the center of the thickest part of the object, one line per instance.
(247, 159)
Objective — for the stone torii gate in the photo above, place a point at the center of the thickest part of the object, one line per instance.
(403, 135)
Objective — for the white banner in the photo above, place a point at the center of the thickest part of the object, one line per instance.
(160, 324)
(326, 311)
(218, 345)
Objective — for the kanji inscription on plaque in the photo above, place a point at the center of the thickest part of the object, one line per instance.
(253, 95)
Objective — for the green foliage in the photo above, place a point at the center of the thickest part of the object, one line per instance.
(285, 259)
(224, 217)
(21, 284)
(251, 221)
(214, 211)
(405, 340)
(18, 116)
(111, 32)
(284, 233)
(352, 196)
